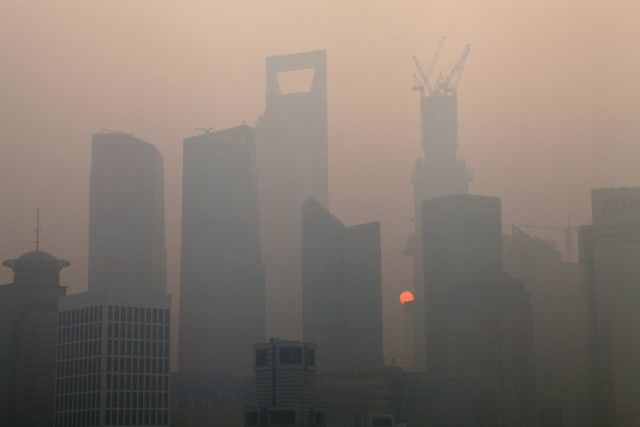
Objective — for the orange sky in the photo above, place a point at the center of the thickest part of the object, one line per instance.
(549, 103)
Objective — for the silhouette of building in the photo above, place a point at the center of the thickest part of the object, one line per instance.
(609, 251)
(341, 280)
(411, 398)
(437, 173)
(126, 215)
(478, 320)
(293, 166)
(222, 294)
(408, 352)
(113, 359)
(28, 313)
(559, 325)
(285, 386)
(203, 400)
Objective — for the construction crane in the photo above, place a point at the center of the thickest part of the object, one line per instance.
(447, 85)
(568, 231)
(426, 76)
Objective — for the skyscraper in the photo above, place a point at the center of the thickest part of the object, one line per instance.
(28, 312)
(478, 320)
(126, 215)
(609, 251)
(341, 280)
(438, 172)
(113, 351)
(222, 288)
(560, 328)
(293, 165)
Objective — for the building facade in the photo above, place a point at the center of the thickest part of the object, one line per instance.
(478, 320)
(341, 280)
(285, 386)
(28, 313)
(293, 166)
(126, 215)
(113, 359)
(222, 292)
(560, 328)
(609, 253)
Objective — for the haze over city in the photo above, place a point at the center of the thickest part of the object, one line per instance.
(547, 102)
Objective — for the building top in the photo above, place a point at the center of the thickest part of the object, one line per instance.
(36, 268)
(615, 206)
(242, 133)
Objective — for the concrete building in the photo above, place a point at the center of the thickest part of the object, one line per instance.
(478, 320)
(341, 281)
(408, 352)
(126, 215)
(293, 166)
(28, 334)
(113, 359)
(437, 173)
(559, 325)
(609, 253)
(222, 293)
(285, 386)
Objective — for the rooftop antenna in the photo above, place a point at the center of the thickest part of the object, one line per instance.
(37, 230)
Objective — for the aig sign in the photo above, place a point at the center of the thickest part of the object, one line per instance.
(615, 205)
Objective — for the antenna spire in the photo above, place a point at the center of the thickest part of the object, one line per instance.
(37, 230)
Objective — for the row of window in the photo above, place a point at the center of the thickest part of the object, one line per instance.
(137, 348)
(138, 382)
(78, 419)
(133, 400)
(73, 368)
(77, 384)
(76, 402)
(136, 331)
(80, 315)
(88, 331)
(79, 350)
(140, 417)
(135, 365)
(287, 356)
(138, 314)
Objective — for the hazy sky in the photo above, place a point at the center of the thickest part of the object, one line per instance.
(549, 103)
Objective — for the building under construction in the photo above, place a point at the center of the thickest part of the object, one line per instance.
(439, 172)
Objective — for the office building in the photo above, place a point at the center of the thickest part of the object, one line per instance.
(126, 215)
(285, 386)
(559, 325)
(408, 352)
(468, 300)
(28, 334)
(461, 241)
(293, 166)
(341, 280)
(113, 359)
(222, 292)
(609, 251)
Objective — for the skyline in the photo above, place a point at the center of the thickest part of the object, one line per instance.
(382, 130)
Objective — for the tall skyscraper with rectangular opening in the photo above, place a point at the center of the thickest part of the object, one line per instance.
(222, 277)
(293, 165)
(126, 215)
(341, 281)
